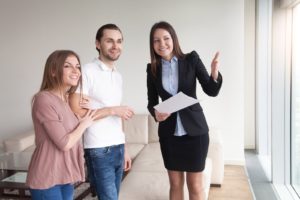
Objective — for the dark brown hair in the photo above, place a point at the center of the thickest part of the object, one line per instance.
(53, 72)
(100, 32)
(155, 58)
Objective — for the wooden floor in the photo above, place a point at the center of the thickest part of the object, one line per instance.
(235, 186)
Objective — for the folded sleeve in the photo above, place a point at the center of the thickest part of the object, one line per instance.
(47, 114)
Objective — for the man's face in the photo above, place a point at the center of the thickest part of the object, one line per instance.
(110, 45)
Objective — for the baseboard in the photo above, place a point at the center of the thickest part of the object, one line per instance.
(249, 147)
(215, 185)
(234, 162)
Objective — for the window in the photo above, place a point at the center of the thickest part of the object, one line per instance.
(295, 102)
(263, 84)
(283, 118)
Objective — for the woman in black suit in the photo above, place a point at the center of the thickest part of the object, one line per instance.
(183, 135)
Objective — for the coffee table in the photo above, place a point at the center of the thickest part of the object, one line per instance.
(18, 162)
(10, 164)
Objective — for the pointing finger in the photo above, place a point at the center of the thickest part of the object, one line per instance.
(216, 56)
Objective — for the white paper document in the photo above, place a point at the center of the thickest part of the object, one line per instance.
(175, 103)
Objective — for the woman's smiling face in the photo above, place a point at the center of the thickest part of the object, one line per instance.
(163, 44)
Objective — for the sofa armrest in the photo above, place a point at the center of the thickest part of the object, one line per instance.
(216, 154)
(20, 142)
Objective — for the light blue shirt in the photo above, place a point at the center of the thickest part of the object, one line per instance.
(170, 84)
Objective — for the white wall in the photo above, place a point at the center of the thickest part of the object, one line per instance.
(32, 29)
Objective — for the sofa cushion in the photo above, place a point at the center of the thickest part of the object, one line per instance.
(134, 149)
(30, 149)
(149, 160)
(19, 142)
(136, 129)
(153, 129)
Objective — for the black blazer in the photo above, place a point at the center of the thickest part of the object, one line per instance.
(189, 69)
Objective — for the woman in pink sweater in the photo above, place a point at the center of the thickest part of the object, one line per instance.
(57, 162)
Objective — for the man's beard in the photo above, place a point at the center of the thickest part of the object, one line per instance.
(110, 57)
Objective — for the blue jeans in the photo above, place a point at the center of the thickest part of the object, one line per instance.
(105, 170)
(57, 192)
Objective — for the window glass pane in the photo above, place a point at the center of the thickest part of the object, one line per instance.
(295, 102)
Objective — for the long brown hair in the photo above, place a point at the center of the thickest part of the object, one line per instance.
(53, 72)
(155, 58)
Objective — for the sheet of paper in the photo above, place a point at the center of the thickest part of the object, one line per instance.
(175, 103)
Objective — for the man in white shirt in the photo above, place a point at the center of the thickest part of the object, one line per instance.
(105, 153)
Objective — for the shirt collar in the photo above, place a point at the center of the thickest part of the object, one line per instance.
(173, 59)
(103, 66)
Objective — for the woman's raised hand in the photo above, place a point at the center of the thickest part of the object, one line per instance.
(215, 66)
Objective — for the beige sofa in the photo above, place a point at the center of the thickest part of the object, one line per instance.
(148, 179)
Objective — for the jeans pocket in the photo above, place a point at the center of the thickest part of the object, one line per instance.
(99, 152)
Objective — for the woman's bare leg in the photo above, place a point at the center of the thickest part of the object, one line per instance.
(176, 179)
(195, 183)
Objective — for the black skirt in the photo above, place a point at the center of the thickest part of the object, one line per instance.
(185, 153)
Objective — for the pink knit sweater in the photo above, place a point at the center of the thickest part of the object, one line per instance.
(53, 120)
